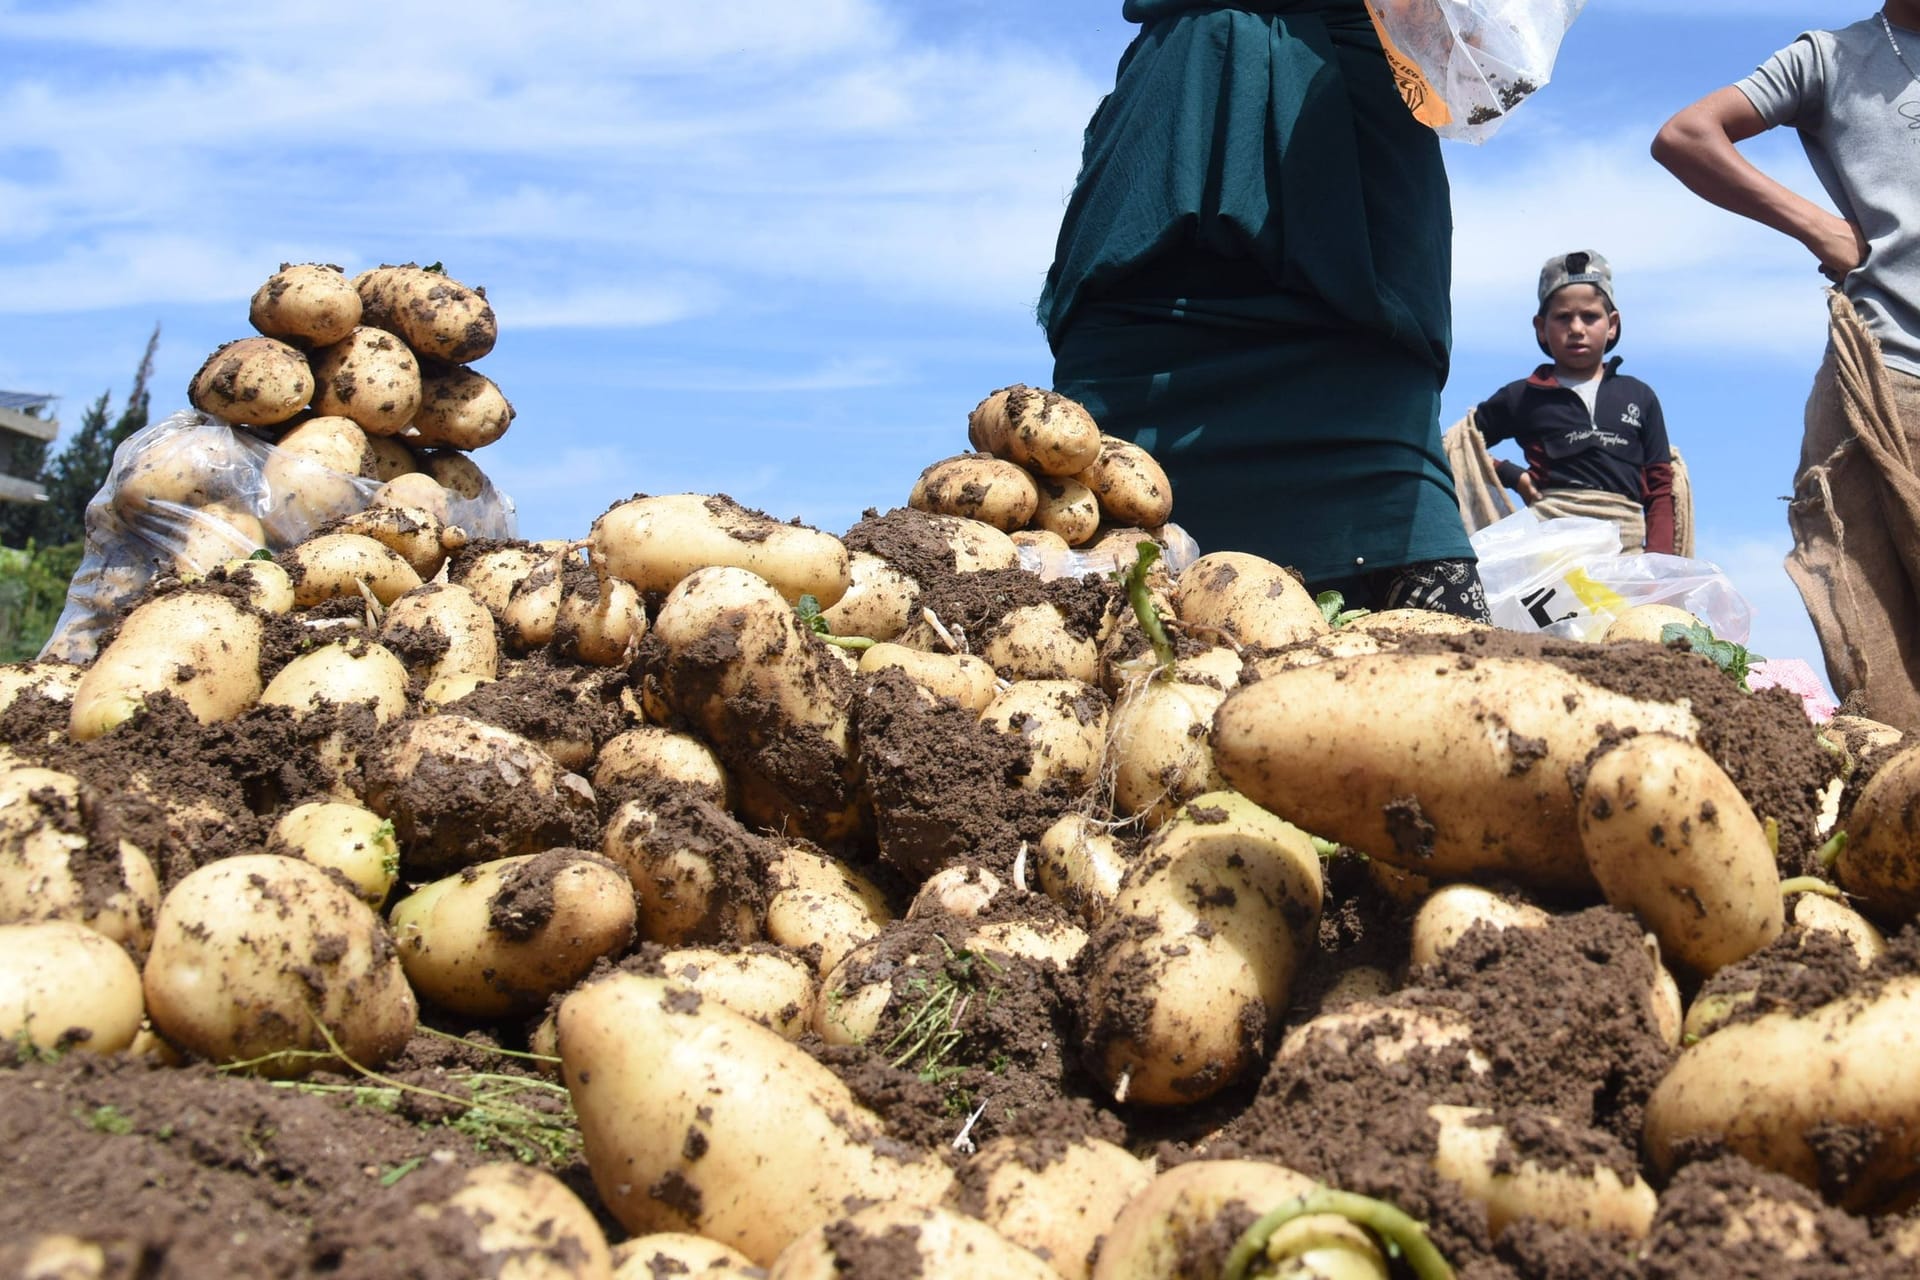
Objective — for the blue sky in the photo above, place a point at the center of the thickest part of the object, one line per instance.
(780, 250)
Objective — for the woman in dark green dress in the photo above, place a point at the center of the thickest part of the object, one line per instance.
(1251, 282)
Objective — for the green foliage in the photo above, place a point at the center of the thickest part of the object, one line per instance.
(33, 591)
(1135, 581)
(1725, 654)
(75, 474)
(1333, 607)
(812, 619)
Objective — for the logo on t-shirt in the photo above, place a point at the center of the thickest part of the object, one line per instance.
(1910, 112)
(1632, 416)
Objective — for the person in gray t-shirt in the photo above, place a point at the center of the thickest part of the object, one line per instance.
(1854, 96)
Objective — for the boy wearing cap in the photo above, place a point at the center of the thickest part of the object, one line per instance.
(1594, 439)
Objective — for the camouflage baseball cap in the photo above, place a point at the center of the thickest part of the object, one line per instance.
(1583, 266)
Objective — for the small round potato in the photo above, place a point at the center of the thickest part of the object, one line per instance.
(1063, 723)
(1069, 509)
(1033, 642)
(351, 839)
(980, 487)
(526, 1224)
(256, 381)
(647, 755)
(253, 956)
(63, 986)
(306, 303)
(878, 605)
(338, 564)
(369, 376)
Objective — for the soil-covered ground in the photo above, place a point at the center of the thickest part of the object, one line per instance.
(179, 1168)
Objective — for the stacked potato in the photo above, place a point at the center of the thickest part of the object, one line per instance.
(744, 793)
(1046, 474)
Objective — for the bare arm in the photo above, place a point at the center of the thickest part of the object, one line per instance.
(1698, 147)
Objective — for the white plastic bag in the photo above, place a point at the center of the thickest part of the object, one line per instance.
(1566, 577)
(1464, 65)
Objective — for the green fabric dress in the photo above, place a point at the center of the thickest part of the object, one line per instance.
(1251, 282)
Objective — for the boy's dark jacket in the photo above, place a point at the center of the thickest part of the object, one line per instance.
(1621, 449)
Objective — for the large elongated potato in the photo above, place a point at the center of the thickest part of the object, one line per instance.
(1671, 839)
(1448, 771)
(254, 955)
(656, 542)
(201, 646)
(698, 1119)
(257, 381)
(1195, 959)
(437, 315)
(1828, 1097)
(1469, 1153)
(339, 564)
(369, 376)
(772, 701)
(306, 303)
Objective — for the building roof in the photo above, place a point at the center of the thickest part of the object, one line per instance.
(24, 401)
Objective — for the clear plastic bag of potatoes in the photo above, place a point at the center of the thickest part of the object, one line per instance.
(191, 492)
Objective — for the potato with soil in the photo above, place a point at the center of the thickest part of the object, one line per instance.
(524, 1222)
(979, 487)
(1172, 1227)
(1486, 1156)
(681, 1254)
(255, 381)
(643, 757)
(442, 629)
(198, 644)
(822, 907)
(190, 466)
(341, 564)
(877, 605)
(697, 1119)
(437, 315)
(460, 791)
(1130, 484)
(1247, 598)
(498, 938)
(1057, 1201)
(1447, 771)
(728, 655)
(1670, 838)
(415, 534)
(1158, 748)
(348, 838)
(1080, 865)
(65, 987)
(308, 304)
(771, 985)
(460, 409)
(369, 376)
(696, 870)
(1063, 724)
(966, 679)
(656, 542)
(1068, 510)
(1040, 430)
(1194, 962)
(1826, 1096)
(1035, 642)
(65, 855)
(938, 1241)
(1880, 862)
(263, 960)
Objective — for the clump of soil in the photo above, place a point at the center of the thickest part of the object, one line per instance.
(1727, 1219)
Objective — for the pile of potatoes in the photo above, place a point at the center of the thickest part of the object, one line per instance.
(723, 810)
(359, 394)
